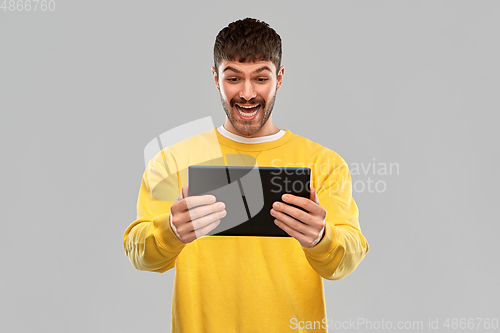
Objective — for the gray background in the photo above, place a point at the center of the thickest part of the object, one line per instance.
(83, 89)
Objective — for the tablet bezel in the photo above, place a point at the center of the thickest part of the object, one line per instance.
(261, 224)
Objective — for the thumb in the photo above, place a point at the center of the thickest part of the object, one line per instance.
(183, 194)
(314, 196)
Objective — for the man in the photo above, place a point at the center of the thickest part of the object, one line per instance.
(247, 284)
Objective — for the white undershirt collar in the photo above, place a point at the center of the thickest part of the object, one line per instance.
(242, 139)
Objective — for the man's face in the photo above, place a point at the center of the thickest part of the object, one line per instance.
(247, 92)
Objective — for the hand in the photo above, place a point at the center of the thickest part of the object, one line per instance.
(303, 226)
(192, 223)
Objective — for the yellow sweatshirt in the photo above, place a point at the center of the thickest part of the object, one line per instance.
(246, 284)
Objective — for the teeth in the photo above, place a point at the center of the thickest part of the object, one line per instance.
(247, 114)
(248, 107)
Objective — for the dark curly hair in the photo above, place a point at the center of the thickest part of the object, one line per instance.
(248, 40)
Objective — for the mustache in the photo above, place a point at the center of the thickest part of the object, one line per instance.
(252, 102)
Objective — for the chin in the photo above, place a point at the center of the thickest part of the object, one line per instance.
(247, 130)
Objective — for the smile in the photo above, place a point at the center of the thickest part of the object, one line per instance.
(249, 110)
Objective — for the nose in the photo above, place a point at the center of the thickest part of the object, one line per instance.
(247, 91)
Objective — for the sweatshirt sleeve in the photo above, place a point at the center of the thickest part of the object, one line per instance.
(149, 242)
(343, 245)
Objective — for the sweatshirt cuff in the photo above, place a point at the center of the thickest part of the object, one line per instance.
(326, 245)
(166, 236)
(174, 229)
(320, 237)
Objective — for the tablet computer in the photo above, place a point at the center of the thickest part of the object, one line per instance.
(248, 193)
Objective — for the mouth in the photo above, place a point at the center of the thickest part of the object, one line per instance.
(247, 112)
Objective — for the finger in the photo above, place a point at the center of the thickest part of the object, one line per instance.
(316, 198)
(292, 223)
(200, 223)
(201, 232)
(184, 192)
(294, 233)
(298, 201)
(284, 209)
(183, 205)
(199, 212)
(182, 195)
(302, 202)
(198, 200)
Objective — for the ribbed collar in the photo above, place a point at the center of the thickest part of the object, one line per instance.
(238, 138)
(216, 135)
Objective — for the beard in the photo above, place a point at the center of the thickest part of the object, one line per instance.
(248, 127)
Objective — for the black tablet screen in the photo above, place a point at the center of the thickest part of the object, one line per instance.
(248, 194)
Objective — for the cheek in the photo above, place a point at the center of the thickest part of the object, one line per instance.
(227, 93)
(267, 93)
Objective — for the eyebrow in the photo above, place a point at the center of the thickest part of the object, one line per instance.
(264, 68)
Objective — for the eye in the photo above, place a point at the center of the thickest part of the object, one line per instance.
(262, 79)
(232, 79)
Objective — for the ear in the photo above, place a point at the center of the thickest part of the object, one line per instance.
(216, 78)
(280, 77)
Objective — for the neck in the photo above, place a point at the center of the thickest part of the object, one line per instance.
(268, 129)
